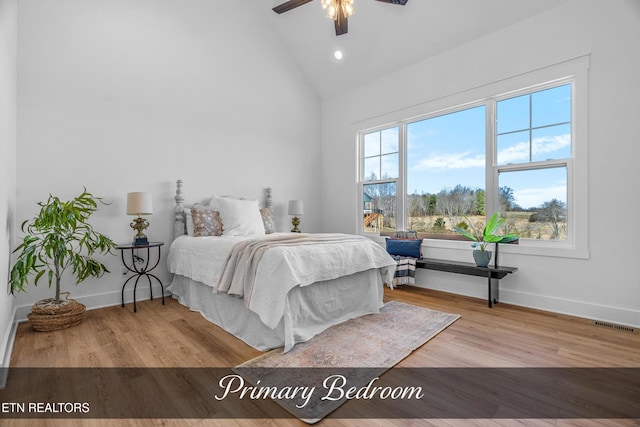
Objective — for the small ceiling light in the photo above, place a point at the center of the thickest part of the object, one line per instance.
(338, 54)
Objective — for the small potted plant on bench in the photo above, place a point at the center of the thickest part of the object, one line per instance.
(59, 239)
(481, 255)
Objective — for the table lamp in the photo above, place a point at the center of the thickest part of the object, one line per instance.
(139, 203)
(296, 208)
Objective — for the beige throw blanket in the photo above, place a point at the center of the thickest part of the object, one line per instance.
(240, 267)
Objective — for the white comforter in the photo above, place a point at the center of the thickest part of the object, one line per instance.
(281, 268)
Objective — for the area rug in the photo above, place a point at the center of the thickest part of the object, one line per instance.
(356, 351)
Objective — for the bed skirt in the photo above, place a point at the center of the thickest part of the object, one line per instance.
(309, 310)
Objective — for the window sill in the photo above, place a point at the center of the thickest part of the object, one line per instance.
(524, 247)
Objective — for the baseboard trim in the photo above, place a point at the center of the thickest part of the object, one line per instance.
(581, 309)
(565, 306)
(102, 300)
(569, 307)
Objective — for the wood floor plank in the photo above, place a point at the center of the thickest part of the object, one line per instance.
(173, 336)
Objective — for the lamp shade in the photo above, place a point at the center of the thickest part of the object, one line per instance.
(296, 207)
(139, 203)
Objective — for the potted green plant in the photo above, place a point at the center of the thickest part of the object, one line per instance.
(57, 240)
(481, 255)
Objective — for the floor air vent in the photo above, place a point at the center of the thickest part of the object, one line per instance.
(609, 325)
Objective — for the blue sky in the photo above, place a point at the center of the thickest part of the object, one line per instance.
(448, 150)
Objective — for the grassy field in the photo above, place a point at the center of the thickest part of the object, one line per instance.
(518, 223)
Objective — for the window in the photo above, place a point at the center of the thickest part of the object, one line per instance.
(446, 169)
(380, 175)
(533, 148)
(513, 153)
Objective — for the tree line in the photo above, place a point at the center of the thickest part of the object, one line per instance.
(462, 201)
(441, 211)
(467, 201)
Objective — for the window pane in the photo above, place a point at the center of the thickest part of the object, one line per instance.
(389, 166)
(371, 170)
(372, 144)
(535, 203)
(445, 170)
(513, 148)
(379, 207)
(389, 138)
(553, 142)
(547, 137)
(381, 157)
(551, 106)
(513, 114)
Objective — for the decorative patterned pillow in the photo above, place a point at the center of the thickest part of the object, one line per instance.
(267, 219)
(206, 222)
(188, 218)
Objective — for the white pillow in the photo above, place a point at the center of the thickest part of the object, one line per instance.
(239, 217)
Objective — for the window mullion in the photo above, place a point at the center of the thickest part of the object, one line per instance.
(379, 155)
(491, 171)
(530, 128)
(401, 193)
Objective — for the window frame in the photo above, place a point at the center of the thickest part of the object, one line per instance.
(536, 165)
(575, 72)
(398, 181)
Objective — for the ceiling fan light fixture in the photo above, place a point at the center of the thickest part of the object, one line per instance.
(337, 10)
(332, 6)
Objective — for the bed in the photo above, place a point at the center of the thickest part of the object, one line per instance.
(267, 288)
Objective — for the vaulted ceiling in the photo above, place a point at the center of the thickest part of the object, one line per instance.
(383, 37)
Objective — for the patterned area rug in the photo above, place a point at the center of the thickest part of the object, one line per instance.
(357, 349)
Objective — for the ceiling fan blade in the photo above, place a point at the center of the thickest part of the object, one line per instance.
(341, 24)
(400, 2)
(288, 5)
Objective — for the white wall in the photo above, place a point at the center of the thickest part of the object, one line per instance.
(8, 86)
(605, 286)
(130, 95)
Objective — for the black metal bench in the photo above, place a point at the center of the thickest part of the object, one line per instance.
(496, 272)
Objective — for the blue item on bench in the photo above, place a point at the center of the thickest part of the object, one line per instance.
(404, 247)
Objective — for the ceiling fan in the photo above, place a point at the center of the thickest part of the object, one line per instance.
(338, 10)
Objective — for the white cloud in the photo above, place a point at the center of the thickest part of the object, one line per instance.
(551, 144)
(517, 153)
(440, 162)
(520, 152)
(514, 154)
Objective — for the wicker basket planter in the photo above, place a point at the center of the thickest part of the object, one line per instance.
(48, 315)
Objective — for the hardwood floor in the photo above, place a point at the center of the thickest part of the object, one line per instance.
(172, 336)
